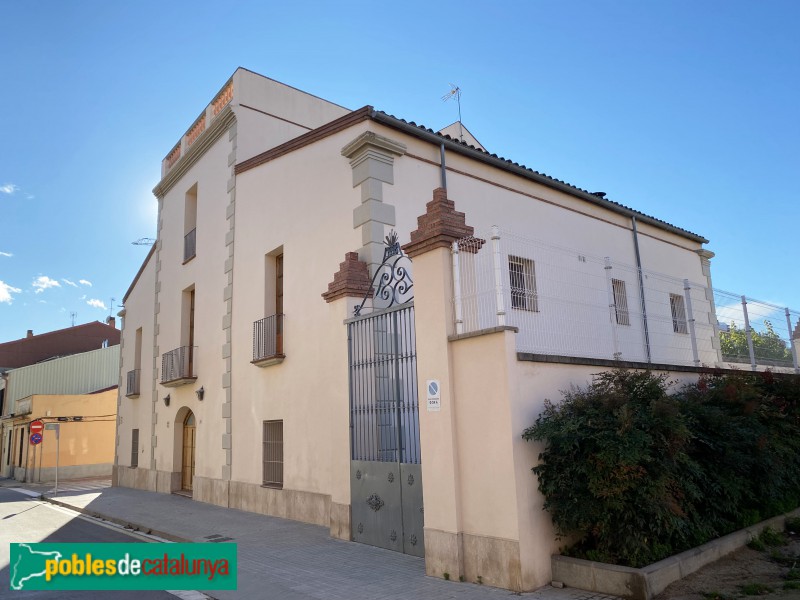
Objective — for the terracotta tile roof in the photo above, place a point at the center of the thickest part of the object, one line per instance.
(543, 177)
(62, 342)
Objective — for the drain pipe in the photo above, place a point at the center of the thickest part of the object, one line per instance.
(443, 168)
(641, 288)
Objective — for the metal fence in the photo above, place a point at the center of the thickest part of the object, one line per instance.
(133, 382)
(384, 413)
(571, 303)
(268, 337)
(178, 364)
(190, 245)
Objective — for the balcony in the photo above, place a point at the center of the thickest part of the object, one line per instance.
(190, 246)
(177, 367)
(132, 390)
(268, 341)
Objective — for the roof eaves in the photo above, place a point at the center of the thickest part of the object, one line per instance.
(469, 150)
(139, 272)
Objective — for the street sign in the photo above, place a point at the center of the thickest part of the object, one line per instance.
(37, 427)
(36, 438)
(434, 396)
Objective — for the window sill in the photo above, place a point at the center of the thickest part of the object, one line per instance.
(132, 395)
(188, 260)
(272, 486)
(268, 361)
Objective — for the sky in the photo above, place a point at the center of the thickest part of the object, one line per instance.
(686, 110)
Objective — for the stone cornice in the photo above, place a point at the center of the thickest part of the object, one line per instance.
(707, 254)
(374, 143)
(218, 126)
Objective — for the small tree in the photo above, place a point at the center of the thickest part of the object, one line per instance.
(767, 344)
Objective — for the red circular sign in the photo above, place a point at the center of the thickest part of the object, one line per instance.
(37, 427)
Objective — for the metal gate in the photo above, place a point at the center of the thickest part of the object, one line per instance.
(385, 470)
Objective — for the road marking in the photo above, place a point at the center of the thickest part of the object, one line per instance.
(24, 491)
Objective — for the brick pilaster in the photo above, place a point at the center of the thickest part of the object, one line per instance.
(352, 279)
(439, 227)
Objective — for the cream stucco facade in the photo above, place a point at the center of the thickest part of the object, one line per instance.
(258, 205)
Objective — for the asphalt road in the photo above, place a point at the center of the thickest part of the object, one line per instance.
(23, 519)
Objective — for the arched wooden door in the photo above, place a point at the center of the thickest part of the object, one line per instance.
(187, 469)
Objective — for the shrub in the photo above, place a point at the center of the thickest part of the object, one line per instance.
(635, 473)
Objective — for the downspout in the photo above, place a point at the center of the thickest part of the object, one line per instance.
(641, 288)
(443, 168)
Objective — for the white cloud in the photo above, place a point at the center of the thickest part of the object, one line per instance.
(68, 282)
(96, 303)
(8, 188)
(43, 282)
(6, 254)
(6, 291)
(85, 282)
(83, 297)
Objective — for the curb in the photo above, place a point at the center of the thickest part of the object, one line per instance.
(121, 522)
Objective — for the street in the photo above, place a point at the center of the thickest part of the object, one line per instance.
(28, 520)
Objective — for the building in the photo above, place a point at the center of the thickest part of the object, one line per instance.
(348, 319)
(37, 348)
(78, 392)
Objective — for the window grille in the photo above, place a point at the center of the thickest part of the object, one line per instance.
(522, 276)
(620, 302)
(678, 308)
(135, 448)
(273, 454)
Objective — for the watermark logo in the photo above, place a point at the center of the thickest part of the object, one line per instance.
(123, 566)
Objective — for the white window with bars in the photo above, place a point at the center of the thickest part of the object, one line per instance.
(620, 302)
(273, 454)
(678, 308)
(522, 277)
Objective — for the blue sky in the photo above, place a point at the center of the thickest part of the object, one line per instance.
(685, 110)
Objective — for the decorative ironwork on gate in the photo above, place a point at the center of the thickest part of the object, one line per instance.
(393, 278)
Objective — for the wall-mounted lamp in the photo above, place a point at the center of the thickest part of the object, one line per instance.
(166, 400)
(200, 393)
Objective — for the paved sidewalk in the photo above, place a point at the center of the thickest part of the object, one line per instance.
(279, 558)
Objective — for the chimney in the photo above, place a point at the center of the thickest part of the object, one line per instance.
(30, 333)
(111, 321)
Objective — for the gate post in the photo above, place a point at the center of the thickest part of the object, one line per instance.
(430, 248)
(350, 283)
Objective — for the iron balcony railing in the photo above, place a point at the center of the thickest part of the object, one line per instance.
(190, 245)
(268, 338)
(178, 364)
(133, 382)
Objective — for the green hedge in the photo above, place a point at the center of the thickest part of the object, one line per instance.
(636, 469)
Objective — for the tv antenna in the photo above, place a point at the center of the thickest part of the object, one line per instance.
(145, 241)
(72, 316)
(111, 308)
(455, 92)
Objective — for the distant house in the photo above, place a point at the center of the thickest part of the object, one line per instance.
(67, 376)
(349, 319)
